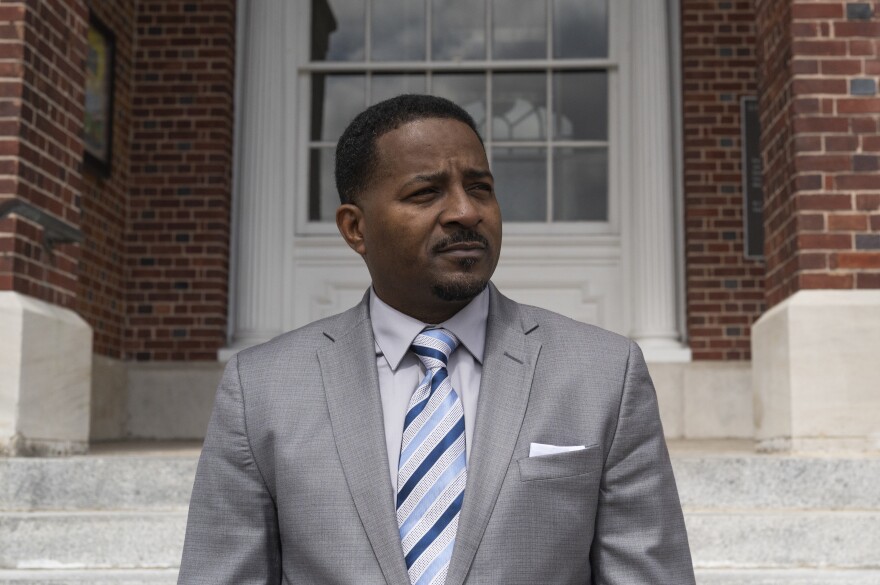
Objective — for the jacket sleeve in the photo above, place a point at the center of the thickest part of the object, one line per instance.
(232, 532)
(640, 535)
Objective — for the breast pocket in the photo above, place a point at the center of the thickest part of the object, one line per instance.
(573, 463)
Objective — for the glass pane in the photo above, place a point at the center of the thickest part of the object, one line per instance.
(580, 105)
(467, 90)
(397, 30)
(458, 30)
(336, 100)
(519, 29)
(323, 198)
(519, 106)
(580, 29)
(580, 184)
(388, 85)
(338, 30)
(521, 183)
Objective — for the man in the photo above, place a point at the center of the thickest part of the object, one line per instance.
(438, 432)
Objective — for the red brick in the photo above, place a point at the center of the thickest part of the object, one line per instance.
(866, 181)
(821, 280)
(816, 11)
(859, 106)
(819, 241)
(868, 280)
(867, 29)
(848, 222)
(856, 260)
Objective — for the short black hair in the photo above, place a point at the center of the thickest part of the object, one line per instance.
(356, 155)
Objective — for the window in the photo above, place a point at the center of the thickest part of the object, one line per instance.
(534, 74)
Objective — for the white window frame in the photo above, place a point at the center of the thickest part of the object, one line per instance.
(618, 33)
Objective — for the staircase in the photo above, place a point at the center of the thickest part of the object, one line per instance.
(117, 516)
(758, 519)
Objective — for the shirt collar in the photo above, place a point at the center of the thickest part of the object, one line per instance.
(394, 331)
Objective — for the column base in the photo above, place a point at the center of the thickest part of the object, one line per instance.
(45, 378)
(815, 371)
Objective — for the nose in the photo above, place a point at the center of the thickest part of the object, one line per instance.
(461, 208)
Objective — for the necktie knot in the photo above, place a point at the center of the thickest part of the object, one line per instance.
(434, 346)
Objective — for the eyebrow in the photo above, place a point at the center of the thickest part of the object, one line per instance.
(443, 175)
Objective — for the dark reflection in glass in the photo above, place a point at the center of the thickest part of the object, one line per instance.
(388, 85)
(323, 198)
(336, 100)
(519, 29)
(398, 30)
(521, 183)
(580, 105)
(338, 30)
(519, 106)
(580, 184)
(458, 30)
(580, 29)
(468, 90)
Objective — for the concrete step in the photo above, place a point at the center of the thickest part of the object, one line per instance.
(762, 518)
(728, 539)
(710, 475)
(137, 477)
(738, 478)
(91, 540)
(736, 539)
(89, 577)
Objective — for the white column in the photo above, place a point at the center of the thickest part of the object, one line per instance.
(653, 241)
(256, 283)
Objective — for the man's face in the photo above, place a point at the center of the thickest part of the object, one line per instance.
(428, 226)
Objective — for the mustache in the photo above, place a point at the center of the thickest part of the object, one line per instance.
(460, 237)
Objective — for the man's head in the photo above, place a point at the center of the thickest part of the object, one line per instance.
(418, 204)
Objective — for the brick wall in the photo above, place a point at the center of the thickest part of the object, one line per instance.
(181, 158)
(725, 291)
(102, 267)
(821, 144)
(42, 49)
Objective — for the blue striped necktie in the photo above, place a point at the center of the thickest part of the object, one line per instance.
(431, 473)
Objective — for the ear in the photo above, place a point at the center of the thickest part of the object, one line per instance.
(349, 221)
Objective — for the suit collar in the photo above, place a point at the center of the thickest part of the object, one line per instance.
(508, 369)
(351, 385)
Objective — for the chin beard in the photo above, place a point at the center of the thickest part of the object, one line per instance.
(459, 290)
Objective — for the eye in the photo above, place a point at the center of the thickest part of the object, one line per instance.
(481, 188)
(423, 194)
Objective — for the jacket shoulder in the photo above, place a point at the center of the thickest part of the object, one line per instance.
(304, 341)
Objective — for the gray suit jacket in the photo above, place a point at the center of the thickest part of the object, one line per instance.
(293, 487)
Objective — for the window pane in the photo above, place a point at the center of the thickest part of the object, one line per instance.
(519, 106)
(338, 30)
(580, 28)
(468, 90)
(323, 198)
(580, 184)
(458, 30)
(384, 86)
(519, 29)
(398, 30)
(521, 183)
(580, 105)
(336, 100)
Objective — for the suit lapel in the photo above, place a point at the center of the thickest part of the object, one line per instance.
(348, 367)
(508, 368)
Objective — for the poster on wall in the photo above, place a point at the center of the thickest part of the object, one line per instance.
(98, 123)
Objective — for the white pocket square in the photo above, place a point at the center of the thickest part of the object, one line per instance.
(540, 449)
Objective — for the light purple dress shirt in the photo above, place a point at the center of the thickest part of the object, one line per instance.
(400, 371)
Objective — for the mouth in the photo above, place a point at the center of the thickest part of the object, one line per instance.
(462, 244)
(462, 247)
